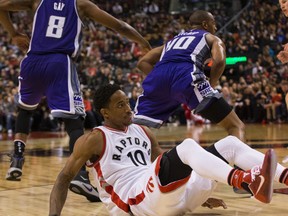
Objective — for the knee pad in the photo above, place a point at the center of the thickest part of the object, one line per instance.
(22, 124)
(172, 168)
(215, 108)
(73, 124)
(75, 129)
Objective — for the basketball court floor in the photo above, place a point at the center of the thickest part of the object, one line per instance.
(46, 153)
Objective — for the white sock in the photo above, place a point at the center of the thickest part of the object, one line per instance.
(204, 163)
(238, 153)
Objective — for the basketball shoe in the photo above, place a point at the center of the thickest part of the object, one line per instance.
(245, 189)
(81, 185)
(259, 179)
(15, 171)
(262, 185)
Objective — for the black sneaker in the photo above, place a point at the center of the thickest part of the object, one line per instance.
(81, 185)
(15, 171)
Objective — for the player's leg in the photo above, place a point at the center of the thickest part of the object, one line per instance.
(217, 110)
(27, 99)
(156, 104)
(66, 102)
(174, 166)
(81, 183)
(233, 125)
(22, 127)
(210, 166)
(234, 151)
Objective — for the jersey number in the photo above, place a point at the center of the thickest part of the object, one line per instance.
(137, 158)
(180, 43)
(55, 27)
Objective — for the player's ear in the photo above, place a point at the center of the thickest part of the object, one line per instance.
(104, 112)
(205, 24)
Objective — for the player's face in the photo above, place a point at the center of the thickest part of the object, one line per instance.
(284, 6)
(118, 115)
(211, 25)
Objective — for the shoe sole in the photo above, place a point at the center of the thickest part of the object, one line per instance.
(14, 174)
(75, 188)
(262, 187)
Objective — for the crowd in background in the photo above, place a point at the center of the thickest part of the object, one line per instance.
(255, 89)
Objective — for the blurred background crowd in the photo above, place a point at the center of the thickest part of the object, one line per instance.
(253, 29)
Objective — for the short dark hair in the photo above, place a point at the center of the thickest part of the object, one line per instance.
(103, 94)
(198, 16)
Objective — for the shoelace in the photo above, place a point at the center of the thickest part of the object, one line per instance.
(255, 171)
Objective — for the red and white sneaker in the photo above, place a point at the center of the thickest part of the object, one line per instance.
(262, 184)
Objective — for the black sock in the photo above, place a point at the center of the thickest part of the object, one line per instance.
(19, 148)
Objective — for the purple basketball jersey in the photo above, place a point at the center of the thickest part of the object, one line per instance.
(177, 78)
(188, 47)
(56, 28)
(48, 69)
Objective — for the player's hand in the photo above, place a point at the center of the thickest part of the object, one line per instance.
(22, 41)
(285, 46)
(283, 56)
(214, 203)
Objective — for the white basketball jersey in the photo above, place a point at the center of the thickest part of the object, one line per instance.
(123, 152)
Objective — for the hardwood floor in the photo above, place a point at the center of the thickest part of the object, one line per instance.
(46, 154)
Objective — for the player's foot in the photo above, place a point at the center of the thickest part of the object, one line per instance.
(262, 185)
(244, 186)
(15, 171)
(81, 185)
(241, 191)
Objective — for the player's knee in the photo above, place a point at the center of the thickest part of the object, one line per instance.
(231, 141)
(215, 108)
(25, 111)
(230, 144)
(190, 145)
(172, 168)
(72, 125)
(190, 141)
(23, 121)
(74, 129)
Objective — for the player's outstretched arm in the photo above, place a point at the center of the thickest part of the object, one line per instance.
(90, 10)
(86, 147)
(18, 5)
(7, 23)
(147, 62)
(17, 38)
